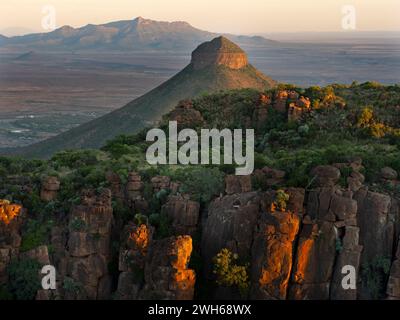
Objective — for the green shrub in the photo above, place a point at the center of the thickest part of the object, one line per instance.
(281, 199)
(201, 182)
(374, 275)
(71, 286)
(36, 233)
(23, 278)
(162, 224)
(77, 224)
(229, 273)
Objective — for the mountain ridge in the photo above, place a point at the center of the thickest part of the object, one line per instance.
(136, 34)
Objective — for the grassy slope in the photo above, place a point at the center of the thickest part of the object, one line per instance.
(149, 108)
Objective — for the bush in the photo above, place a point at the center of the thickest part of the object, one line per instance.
(162, 224)
(201, 182)
(77, 224)
(374, 275)
(281, 199)
(24, 278)
(36, 234)
(229, 273)
(71, 286)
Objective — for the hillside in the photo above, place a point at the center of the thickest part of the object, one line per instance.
(325, 194)
(134, 35)
(217, 65)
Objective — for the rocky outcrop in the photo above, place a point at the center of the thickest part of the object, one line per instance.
(160, 183)
(183, 213)
(166, 271)
(88, 252)
(11, 219)
(297, 108)
(115, 185)
(325, 175)
(49, 189)
(237, 184)
(185, 115)
(377, 215)
(219, 51)
(388, 173)
(269, 177)
(272, 251)
(328, 240)
(393, 286)
(280, 101)
(134, 193)
(260, 114)
(136, 240)
(230, 221)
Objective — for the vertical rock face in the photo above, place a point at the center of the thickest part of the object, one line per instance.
(136, 240)
(272, 252)
(115, 185)
(183, 212)
(393, 286)
(376, 218)
(50, 187)
(219, 51)
(328, 240)
(349, 255)
(230, 224)
(134, 193)
(166, 271)
(89, 246)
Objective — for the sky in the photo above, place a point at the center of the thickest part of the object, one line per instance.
(233, 16)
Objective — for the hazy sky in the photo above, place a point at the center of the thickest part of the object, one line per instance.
(235, 16)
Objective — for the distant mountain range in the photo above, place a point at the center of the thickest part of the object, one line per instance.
(138, 34)
(215, 65)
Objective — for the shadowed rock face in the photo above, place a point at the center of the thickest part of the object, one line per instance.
(219, 51)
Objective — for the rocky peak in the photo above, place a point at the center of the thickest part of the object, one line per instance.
(219, 51)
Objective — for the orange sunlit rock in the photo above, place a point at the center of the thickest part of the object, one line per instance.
(8, 211)
(303, 256)
(182, 251)
(183, 279)
(280, 231)
(140, 236)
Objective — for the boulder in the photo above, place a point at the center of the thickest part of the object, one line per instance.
(325, 176)
(388, 173)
